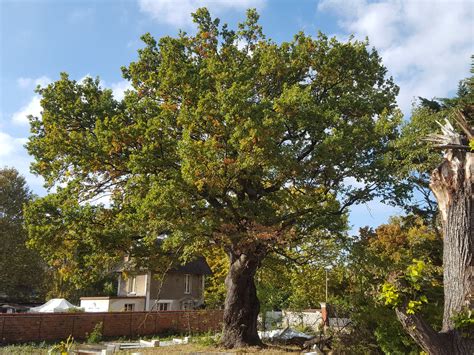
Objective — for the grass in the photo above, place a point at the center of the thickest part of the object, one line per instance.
(206, 349)
(31, 348)
(204, 344)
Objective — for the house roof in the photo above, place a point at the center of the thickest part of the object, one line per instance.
(197, 266)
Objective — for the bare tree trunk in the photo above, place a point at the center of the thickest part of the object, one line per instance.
(458, 245)
(452, 183)
(241, 303)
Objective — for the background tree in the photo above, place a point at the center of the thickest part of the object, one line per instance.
(247, 148)
(214, 293)
(373, 256)
(21, 269)
(297, 279)
(451, 183)
(416, 159)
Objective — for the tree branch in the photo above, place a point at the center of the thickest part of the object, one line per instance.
(424, 335)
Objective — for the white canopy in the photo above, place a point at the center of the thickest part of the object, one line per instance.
(54, 305)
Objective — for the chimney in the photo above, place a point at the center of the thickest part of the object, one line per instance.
(324, 314)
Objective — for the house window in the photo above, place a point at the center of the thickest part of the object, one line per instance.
(129, 307)
(132, 284)
(163, 306)
(187, 283)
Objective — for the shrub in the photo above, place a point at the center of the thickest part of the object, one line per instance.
(63, 347)
(96, 335)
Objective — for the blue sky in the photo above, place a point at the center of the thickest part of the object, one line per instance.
(426, 46)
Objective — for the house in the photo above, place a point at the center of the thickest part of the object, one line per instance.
(182, 289)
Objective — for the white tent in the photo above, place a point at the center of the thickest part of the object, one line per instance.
(54, 305)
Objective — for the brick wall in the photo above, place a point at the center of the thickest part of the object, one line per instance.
(26, 327)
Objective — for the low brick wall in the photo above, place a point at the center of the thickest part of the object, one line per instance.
(26, 327)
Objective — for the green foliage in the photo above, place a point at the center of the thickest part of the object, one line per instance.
(415, 273)
(273, 283)
(297, 281)
(409, 286)
(207, 339)
(96, 335)
(247, 149)
(63, 347)
(109, 288)
(214, 294)
(22, 271)
(390, 295)
(464, 322)
(397, 263)
(392, 340)
(415, 157)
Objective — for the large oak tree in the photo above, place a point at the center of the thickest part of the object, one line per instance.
(226, 138)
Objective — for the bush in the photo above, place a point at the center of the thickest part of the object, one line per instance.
(96, 335)
(63, 347)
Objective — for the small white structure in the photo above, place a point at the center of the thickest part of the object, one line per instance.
(112, 304)
(54, 305)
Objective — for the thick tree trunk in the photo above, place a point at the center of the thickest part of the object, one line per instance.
(458, 247)
(241, 303)
(452, 184)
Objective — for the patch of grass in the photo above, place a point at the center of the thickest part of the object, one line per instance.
(206, 343)
(207, 339)
(30, 348)
(199, 348)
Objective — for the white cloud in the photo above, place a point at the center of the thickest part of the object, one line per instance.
(33, 107)
(426, 45)
(178, 12)
(352, 181)
(14, 154)
(9, 145)
(42, 81)
(28, 83)
(119, 88)
(24, 82)
(241, 44)
(80, 15)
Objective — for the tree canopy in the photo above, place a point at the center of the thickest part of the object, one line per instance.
(226, 138)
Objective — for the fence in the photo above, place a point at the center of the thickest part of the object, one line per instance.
(310, 318)
(17, 328)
